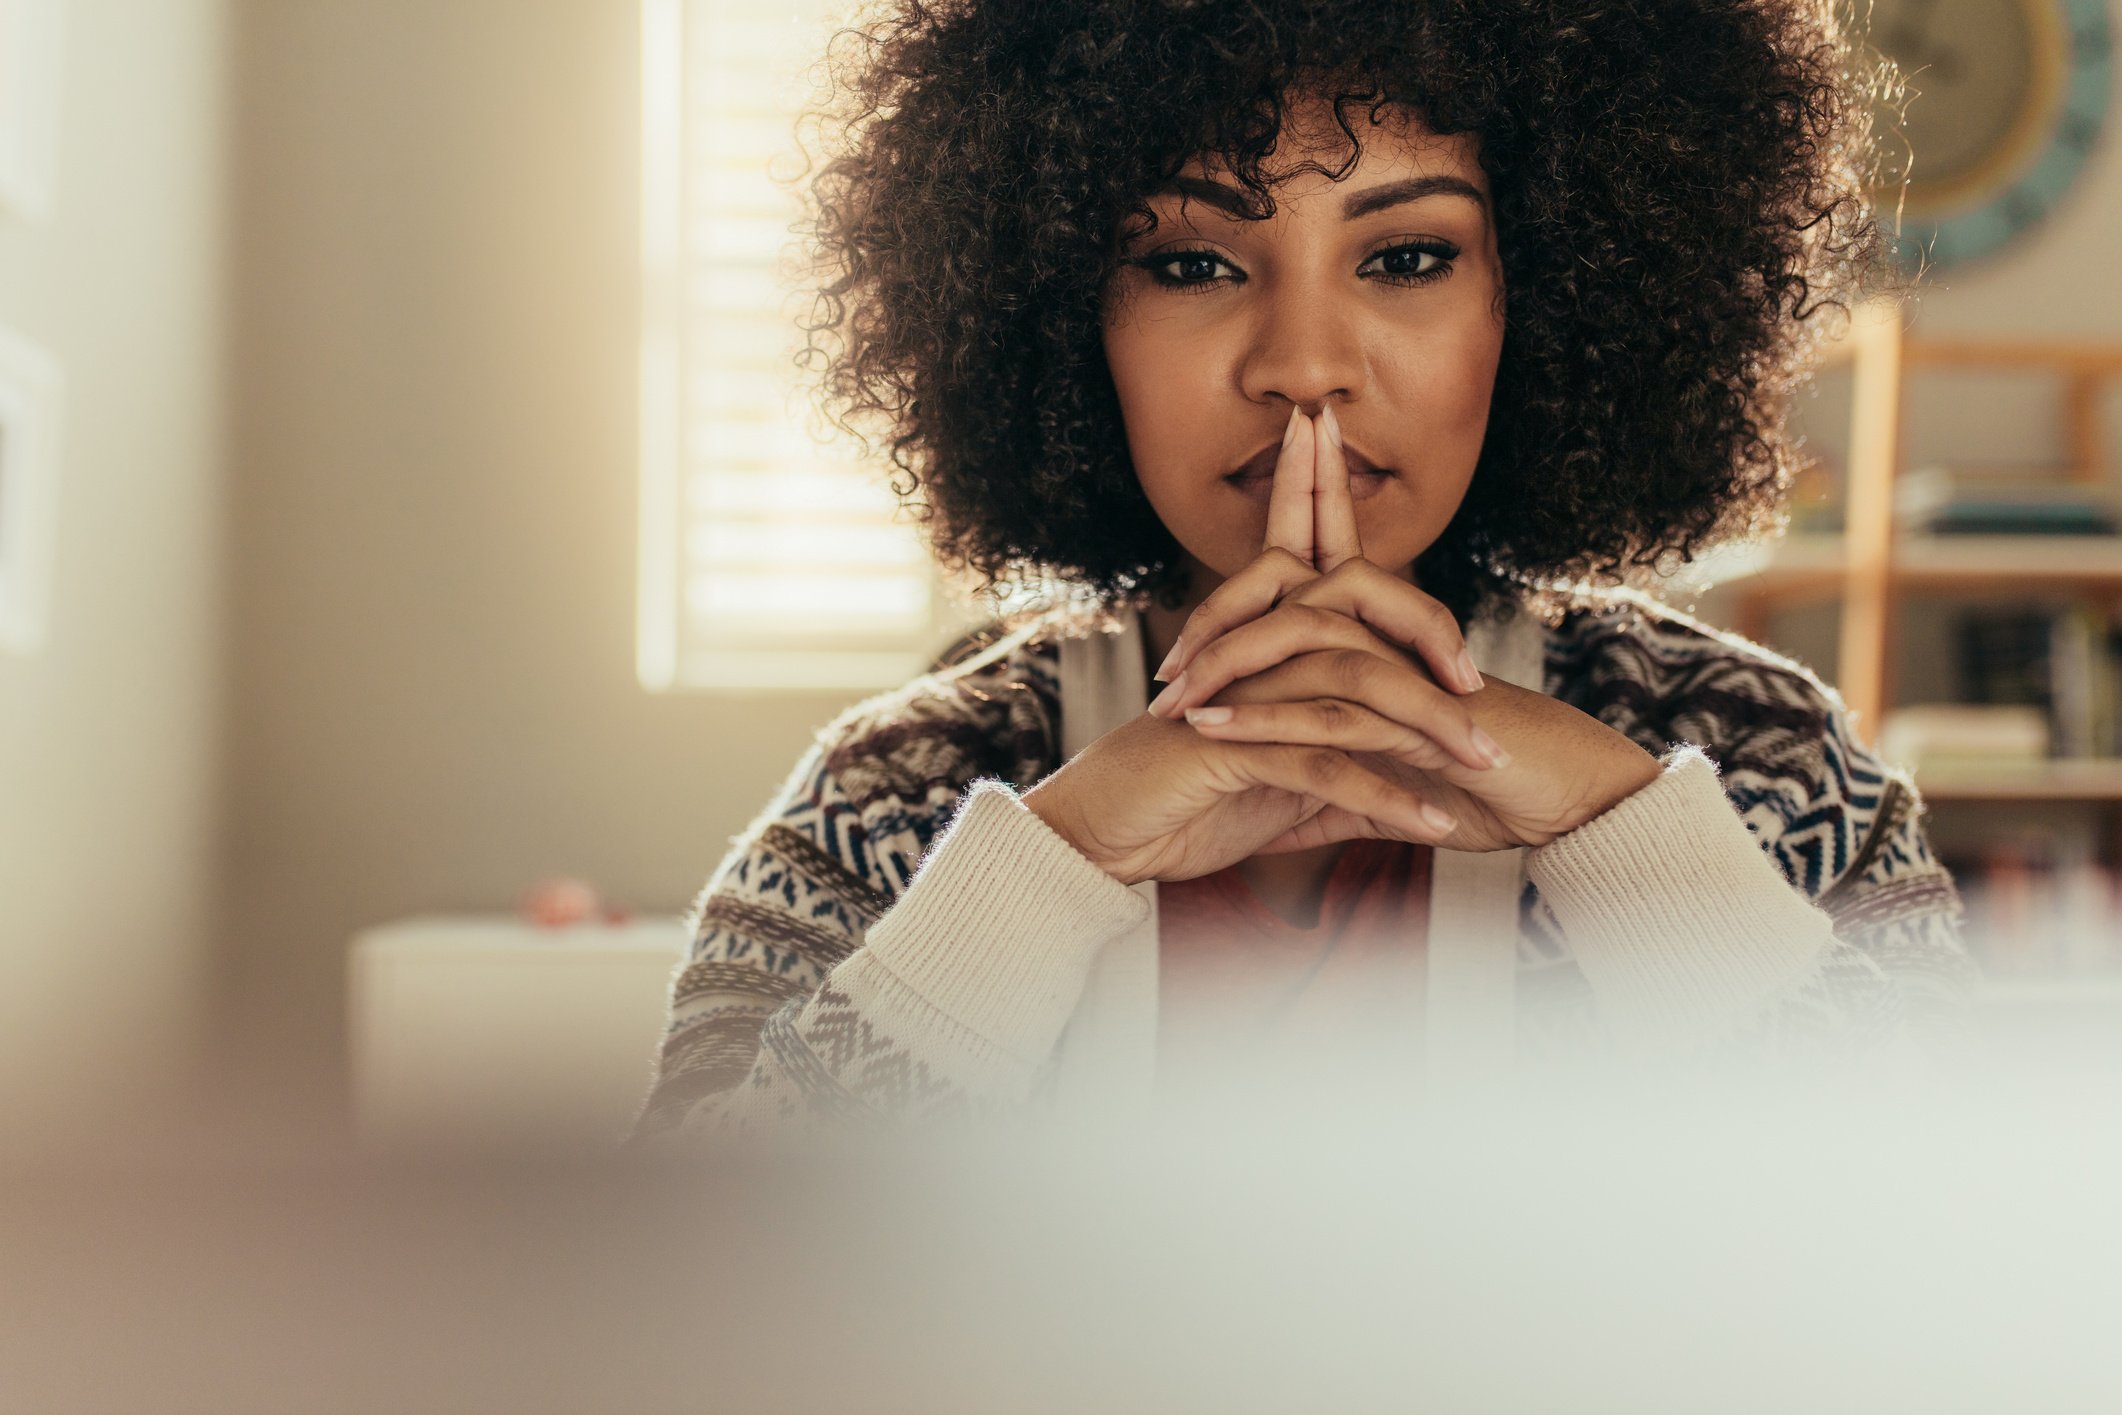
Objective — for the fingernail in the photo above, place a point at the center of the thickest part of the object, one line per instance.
(1209, 715)
(1170, 695)
(1468, 674)
(1330, 423)
(1486, 746)
(1289, 434)
(1164, 669)
(1438, 820)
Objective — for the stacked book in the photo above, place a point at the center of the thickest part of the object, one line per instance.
(1956, 501)
(2034, 682)
(1965, 735)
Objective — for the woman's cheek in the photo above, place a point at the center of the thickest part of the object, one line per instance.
(1455, 388)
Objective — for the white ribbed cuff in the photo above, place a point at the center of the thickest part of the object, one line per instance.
(999, 926)
(1677, 916)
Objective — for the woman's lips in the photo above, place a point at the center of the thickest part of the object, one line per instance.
(1361, 485)
(1255, 477)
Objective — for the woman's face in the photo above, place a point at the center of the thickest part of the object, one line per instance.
(1379, 293)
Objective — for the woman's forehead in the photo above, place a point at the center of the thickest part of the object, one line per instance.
(1382, 177)
(1391, 141)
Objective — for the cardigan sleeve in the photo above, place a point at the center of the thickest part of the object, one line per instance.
(1690, 929)
(809, 993)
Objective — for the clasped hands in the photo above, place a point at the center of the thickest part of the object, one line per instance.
(1313, 644)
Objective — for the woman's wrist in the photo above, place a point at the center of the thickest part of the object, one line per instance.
(1631, 774)
(1048, 801)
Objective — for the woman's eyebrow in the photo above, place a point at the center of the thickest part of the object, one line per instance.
(1380, 197)
(1235, 203)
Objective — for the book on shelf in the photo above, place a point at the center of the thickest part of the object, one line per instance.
(1965, 734)
(2063, 661)
(1938, 500)
(2083, 647)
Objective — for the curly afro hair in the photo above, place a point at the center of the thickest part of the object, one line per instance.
(1681, 186)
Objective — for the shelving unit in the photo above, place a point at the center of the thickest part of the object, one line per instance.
(1813, 565)
(1871, 563)
(2058, 779)
(1872, 567)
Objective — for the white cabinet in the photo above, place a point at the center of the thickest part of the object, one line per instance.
(476, 1029)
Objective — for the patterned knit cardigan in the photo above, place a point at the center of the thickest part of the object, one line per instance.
(767, 1022)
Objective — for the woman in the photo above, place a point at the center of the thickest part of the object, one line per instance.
(1338, 354)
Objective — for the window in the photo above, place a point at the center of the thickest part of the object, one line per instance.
(770, 557)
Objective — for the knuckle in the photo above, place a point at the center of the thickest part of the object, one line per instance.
(1435, 701)
(1447, 714)
(1286, 560)
(1334, 714)
(1444, 627)
(1424, 750)
(1322, 620)
(1350, 668)
(1322, 765)
(1201, 617)
(1207, 658)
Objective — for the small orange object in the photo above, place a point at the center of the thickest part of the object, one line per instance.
(556, 903)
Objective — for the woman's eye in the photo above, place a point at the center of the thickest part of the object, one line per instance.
(1404, 265)
(1411, 263)
(1185, 267)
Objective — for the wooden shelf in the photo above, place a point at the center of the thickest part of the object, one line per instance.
(2057, 779)
(1871, 565)
(1816, 565)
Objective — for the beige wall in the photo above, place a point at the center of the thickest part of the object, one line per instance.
(435, 699)
(108, 739)
(434, 507)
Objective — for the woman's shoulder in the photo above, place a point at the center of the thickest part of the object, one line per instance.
(986, 705)
(1660, 675)
(883, 776)
(1786, 747)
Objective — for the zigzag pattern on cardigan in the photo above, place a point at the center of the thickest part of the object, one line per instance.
(766, 1023)
(1843, 827)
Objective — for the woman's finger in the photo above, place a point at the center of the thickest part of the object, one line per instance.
(1328, 827)
(1258, 644)
(1338, 780)
(1289, 502)
(1322, 722)
(1334, 539)
(1399, 612)
(1391, 687)
(1240, 599)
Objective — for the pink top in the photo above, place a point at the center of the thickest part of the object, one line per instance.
(1232, 971)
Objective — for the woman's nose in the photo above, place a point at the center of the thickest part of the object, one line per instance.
(1304, 350)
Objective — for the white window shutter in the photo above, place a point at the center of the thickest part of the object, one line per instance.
(770, 557)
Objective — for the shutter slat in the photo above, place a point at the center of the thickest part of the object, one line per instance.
(788, 551)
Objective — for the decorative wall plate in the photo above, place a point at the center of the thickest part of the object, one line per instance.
(2009, 97)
